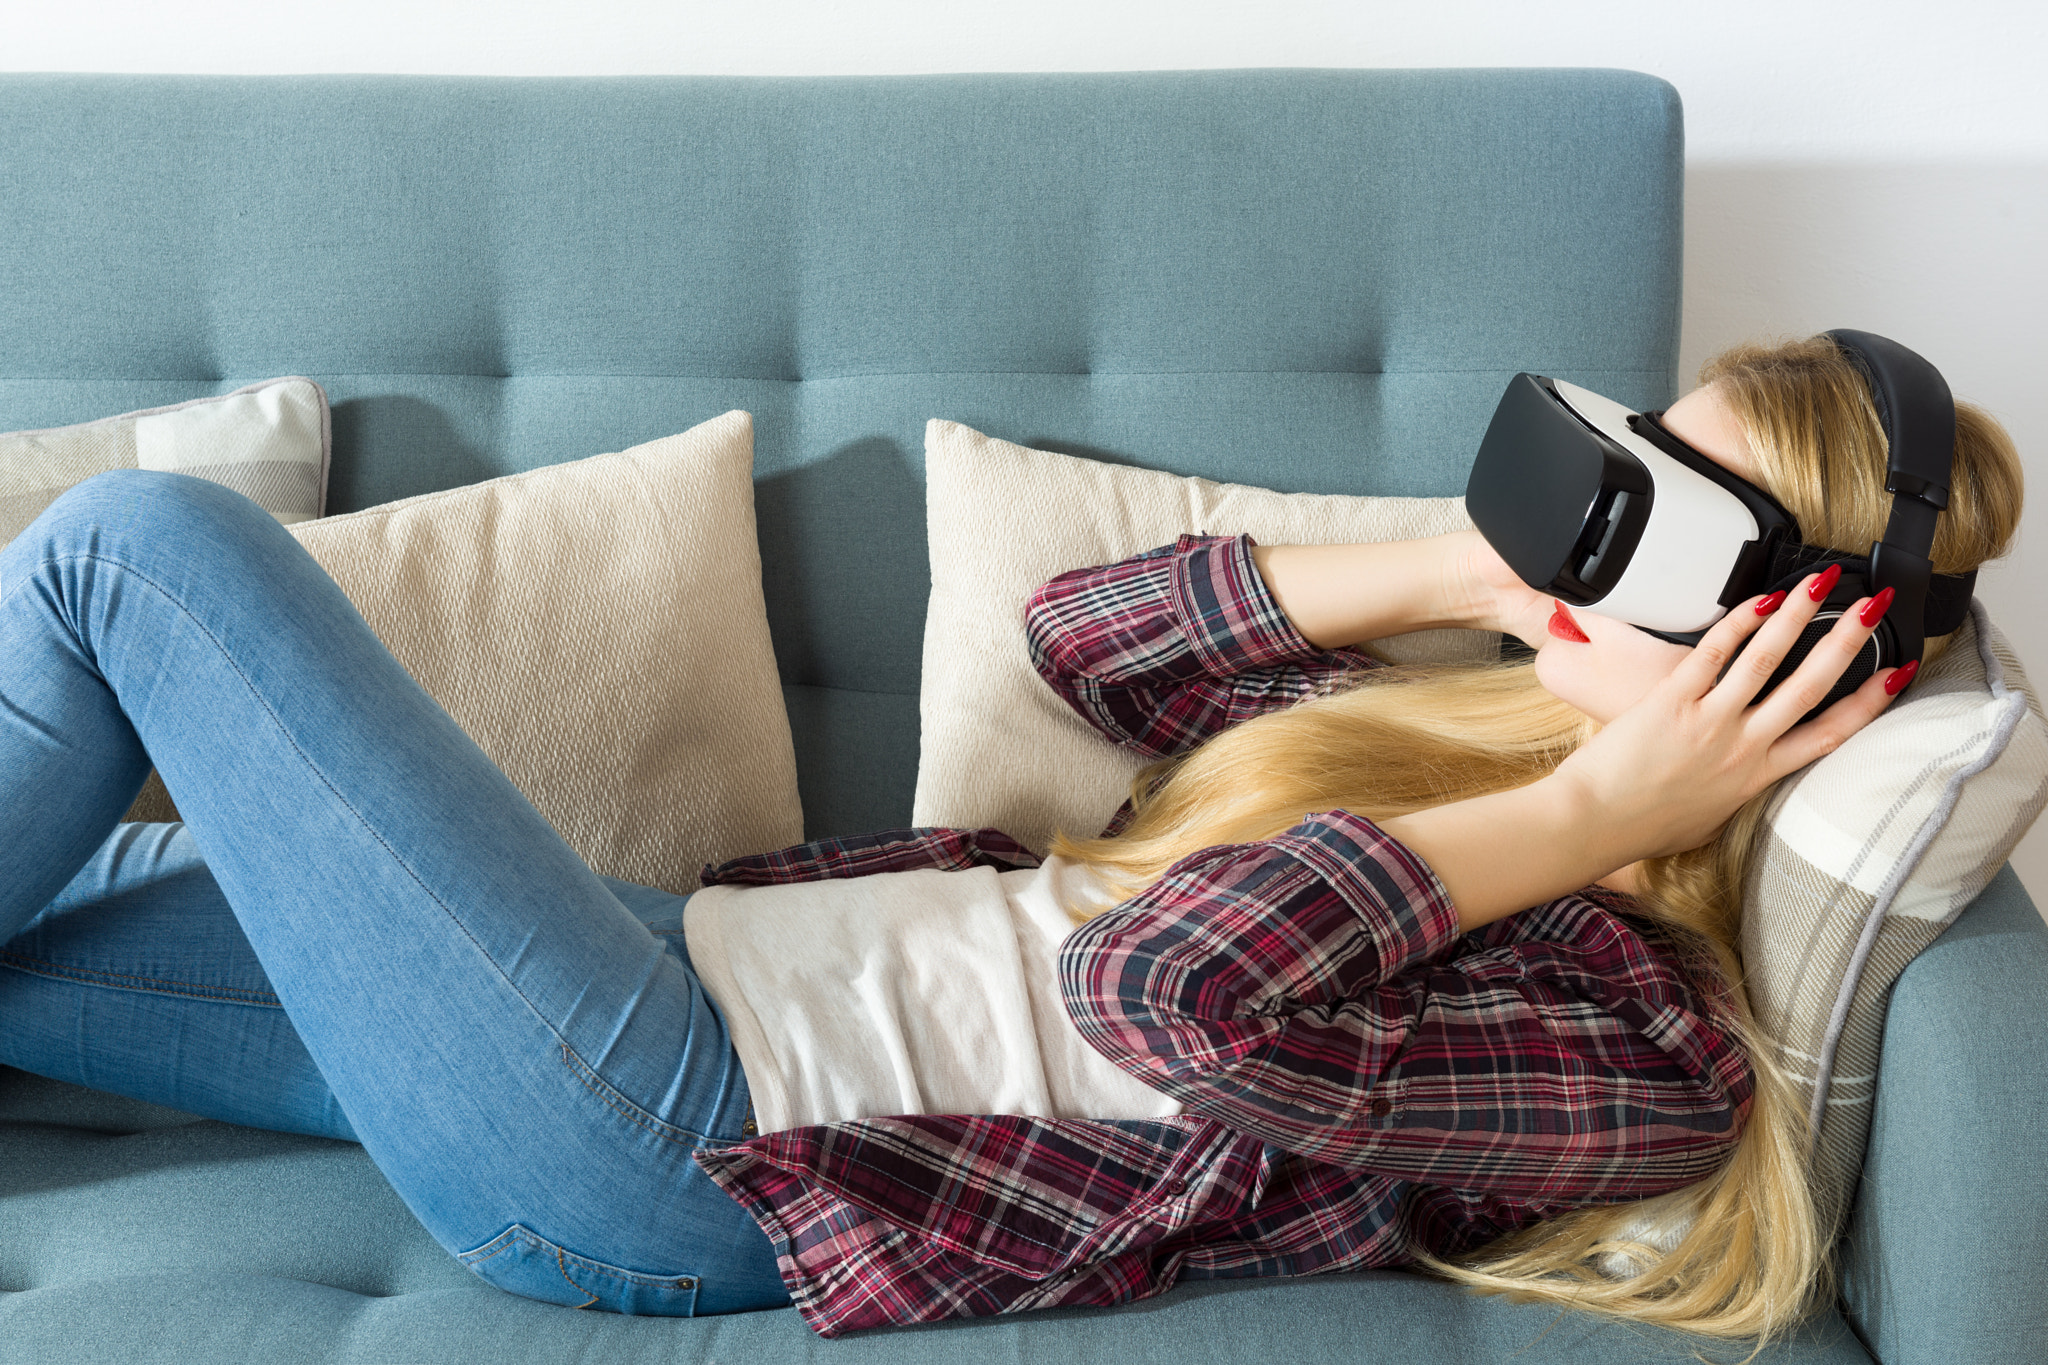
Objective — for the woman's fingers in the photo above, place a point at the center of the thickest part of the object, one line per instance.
(1700, 673)
(1822, 668)
(1671, 769)
(1828, 731)
(1759, 642)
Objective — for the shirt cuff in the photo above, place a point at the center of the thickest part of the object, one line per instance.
(1406, 909)
(1227, 614)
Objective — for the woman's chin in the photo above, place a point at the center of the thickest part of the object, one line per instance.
(1561, 679)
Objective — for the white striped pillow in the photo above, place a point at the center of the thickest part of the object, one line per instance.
(1869, 855)
(1866, 857)
(269, 441)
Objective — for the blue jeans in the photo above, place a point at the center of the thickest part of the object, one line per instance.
(362, 930)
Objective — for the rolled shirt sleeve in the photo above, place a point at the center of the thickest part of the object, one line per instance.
(1312, 989)
(1163, 650)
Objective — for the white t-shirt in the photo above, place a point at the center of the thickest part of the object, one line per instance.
(906, 993)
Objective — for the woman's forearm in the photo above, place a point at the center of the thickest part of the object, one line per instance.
(1339, 595)
(1499, 854)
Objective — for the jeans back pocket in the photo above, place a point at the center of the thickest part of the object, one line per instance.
(522, 1262)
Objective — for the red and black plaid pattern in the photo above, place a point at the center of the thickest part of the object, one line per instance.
(1312, 990)
(1361, 1082)
(863, 855)
(1164, 650)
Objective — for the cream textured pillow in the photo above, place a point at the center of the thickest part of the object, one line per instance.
(268, 441)
(598, 628)
(999, 748)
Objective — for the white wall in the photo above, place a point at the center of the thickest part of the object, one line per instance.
(1872, 163)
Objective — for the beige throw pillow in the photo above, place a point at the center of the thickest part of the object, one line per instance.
(598, 628)
(999, 747)
(268, 441)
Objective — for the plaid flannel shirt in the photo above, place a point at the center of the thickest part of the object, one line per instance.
(1360, 1080)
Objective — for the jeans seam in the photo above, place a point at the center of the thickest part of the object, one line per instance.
(637, 1279)
(127, 981)
(498, 1246)
(519, 1234)
(563, 1268)
(311, 767)
(609, 1096)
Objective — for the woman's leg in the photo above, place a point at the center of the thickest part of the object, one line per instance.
(523, 1059)
(137, 980)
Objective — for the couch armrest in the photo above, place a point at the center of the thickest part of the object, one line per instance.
(1946, 1257)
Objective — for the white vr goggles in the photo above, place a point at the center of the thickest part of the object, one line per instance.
(1604, 508)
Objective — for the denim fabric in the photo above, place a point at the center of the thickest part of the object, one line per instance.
(363, 930)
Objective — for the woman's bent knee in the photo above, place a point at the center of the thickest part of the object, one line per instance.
(148, 519)
(121, 501)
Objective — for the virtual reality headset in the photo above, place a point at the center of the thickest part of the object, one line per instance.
(1604, 508)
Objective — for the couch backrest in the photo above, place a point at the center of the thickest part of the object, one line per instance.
(1311, 280)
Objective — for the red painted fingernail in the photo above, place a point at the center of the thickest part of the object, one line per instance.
(1902, 675)
(1770, 604)
(1874, 610)
(1824, 584)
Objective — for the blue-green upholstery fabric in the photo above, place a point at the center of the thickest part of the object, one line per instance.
(1311, 280)
(1948, 1242)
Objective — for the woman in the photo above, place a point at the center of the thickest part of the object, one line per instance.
(1311, 1022)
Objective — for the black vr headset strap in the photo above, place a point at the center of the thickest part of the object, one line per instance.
(1948, 594)
(1919, 418)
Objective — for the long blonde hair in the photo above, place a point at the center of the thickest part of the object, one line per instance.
(1743, 1253)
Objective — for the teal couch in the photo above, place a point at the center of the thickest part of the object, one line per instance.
(1312, 280)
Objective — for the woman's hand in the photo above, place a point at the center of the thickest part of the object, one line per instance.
(1665, 776)
(1493, 596)
(1670, 771)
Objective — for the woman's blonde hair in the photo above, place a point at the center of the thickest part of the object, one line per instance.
(1743, 1253)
